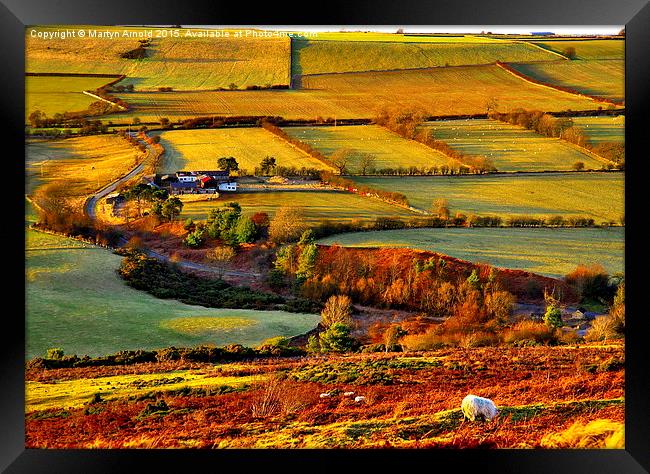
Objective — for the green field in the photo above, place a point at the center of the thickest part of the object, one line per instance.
(604, 78)
(56, 94)
(551, 252)
(588, 48)
(510, 147)
(200, 149)
(602, 129)
(436, 91)
(389, 149)
(596, 195)
(184, 63)
(76, 301)
(317, 205)
(332, 56)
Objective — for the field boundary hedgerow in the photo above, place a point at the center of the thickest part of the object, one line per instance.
(547, 50)
(567, 90)
(95, 96)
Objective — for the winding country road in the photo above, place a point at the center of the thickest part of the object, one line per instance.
(91, 204)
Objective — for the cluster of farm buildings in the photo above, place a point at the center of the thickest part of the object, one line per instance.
(196, 182)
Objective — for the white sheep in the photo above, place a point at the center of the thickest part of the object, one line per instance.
(325, 395)
(348, 394)
(359, 399)
(474, 407)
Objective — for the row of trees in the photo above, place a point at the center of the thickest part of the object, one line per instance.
(69, 120)
(269, 167)
(564, 128)
(408, 123)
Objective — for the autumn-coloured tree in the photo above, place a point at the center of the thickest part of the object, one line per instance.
(440, 207)
(338, 309)
(287, 225)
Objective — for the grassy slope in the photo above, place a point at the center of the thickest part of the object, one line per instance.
(511, 148)
(438, 91)
(320, 57)
(200, 149)
(389, 149)
(317, 205)
(76, 301)
(550, 252)
(588, 48)
(53, 95)
(602, 129)
(597, 195)
(600, 78)
(86, 163)
(182, 63)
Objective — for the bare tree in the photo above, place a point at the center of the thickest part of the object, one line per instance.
(340, 159)
(219, 257)
(366, 161)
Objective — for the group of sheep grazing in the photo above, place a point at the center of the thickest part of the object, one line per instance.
(474, 407)
(357, 399)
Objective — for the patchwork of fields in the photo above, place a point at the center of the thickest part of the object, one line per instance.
(554, 382)
(510, 147)
(336, 206)
(77, 301)
(596, 195)
(599, 78)
(55, 94)
(200, 149)
(183, 63)
(388, 149)
(437, 91)
(550, 252)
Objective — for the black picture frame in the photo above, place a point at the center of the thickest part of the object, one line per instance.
(634, 14)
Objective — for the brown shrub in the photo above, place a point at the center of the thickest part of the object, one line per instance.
(530, 333)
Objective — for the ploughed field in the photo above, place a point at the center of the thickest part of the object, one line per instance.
(200, 149)
(75, 300)
(388, 149)
(510, 147)
(601, 78)
(436, 91)
(186, 62)
(594, 195)
(336, 206)
(410, 400)
(547, 251)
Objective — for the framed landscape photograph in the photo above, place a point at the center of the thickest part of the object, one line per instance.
(391, 230)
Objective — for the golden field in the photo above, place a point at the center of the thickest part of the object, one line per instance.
(200, 149)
